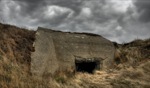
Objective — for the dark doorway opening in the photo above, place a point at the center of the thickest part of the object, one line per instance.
(87, 66)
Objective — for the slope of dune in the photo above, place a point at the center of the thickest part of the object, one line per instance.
(131, 65)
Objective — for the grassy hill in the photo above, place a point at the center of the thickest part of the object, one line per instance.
(131, 65)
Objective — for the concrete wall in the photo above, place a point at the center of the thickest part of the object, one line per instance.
(56, 51)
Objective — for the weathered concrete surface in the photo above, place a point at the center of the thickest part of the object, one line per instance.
(56, 51)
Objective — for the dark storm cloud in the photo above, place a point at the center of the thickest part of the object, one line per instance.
(105, 17)
(28, 7)
(95, 16)
(143, 8)
(99, 12)
(34, 9)
(31, 6)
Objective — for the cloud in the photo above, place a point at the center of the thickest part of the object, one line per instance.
(143, 8)
(55, 15)
(117, 20)
(29, 7)
(72, 4)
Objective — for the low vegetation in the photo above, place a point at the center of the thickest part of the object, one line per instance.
(131, 65)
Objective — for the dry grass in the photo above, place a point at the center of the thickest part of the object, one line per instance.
(134, 53)
(133, 77)
(133, 62)
(13, 75)
(16, 42)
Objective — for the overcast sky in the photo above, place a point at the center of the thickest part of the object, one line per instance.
(118, 20)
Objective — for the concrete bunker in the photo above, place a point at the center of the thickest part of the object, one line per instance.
(88, 65)
(57, 51)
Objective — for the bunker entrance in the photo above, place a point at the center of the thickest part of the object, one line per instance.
(87, 65)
